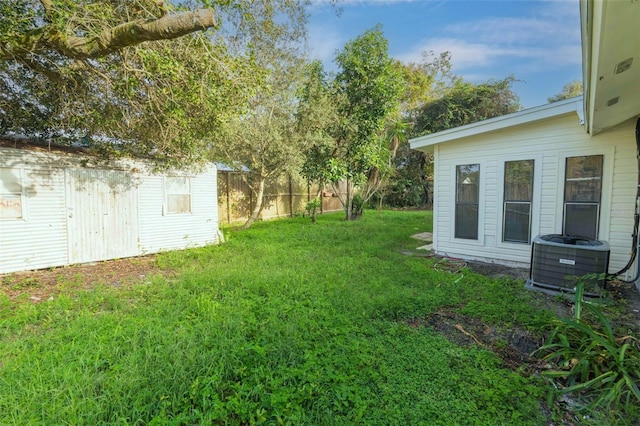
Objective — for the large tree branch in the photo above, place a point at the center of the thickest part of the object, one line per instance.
(110, 40)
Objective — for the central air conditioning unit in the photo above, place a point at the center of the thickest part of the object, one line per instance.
(559, 262)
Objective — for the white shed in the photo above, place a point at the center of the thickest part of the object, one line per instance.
(61, 207)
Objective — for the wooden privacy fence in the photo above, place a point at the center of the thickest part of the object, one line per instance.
(284, 197)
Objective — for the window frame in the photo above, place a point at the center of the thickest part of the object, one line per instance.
(604, 219)
(597, 204)
(536, 204)
(167, 194)
(478, 204)
(505, 202)
(21, 175)
(504, 217)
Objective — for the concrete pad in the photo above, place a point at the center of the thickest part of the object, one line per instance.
(424, 236)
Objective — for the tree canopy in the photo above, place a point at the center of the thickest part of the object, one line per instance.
(264, 138)
(365, 93)
(134, 77)
(425, 81)
(37, 33)
(467, 103)
(447, 101)
(196, 80)
(569, 90)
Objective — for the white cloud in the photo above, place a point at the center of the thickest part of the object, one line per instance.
(547, 38)
(467, 54)
(518, 31)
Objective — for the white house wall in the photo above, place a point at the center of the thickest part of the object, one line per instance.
(548, 142)
(121, 212)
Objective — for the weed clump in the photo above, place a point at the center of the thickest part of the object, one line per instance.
(588, 358)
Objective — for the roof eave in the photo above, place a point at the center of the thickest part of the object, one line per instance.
(527, 116)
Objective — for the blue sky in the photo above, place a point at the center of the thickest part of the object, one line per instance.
(538, 42)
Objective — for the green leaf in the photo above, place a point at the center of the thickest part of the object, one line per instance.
(588, 384)
(633, 385)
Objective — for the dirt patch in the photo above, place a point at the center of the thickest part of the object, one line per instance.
(41, 285)
(513, 345)
(494, 270)
(622, 298)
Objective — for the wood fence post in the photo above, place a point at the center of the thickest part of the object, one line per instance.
(290, 197)
(250, 202)
(228, 198)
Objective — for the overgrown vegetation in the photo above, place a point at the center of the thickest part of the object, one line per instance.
(286, 323)
(176, 84)
(590, 359)
(312, 208)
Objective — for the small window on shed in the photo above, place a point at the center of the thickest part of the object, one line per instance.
(11, 194)
(178, 190)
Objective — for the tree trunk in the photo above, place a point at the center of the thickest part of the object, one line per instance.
(424, 180)
(349, 201)
(257, 209)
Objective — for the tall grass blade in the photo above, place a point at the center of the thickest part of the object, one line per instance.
(578, 300)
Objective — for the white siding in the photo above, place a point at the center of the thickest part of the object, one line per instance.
(102, 214)
(64, 225)
(548, 142)
(39, 239)
(160, 230)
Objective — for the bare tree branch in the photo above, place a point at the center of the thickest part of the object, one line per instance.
(48, 7)
(128, 34)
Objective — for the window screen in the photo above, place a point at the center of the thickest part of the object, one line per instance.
(467, 200)
(582, 193)
(178, 190)
(10, 194)
(518, 194)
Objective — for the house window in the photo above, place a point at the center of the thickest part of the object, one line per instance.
(518, 193)
(582, 192)
(178, 190)
(467, 198)
(11, 191)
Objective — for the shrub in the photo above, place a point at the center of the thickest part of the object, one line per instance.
(590, 359)
(312, 208)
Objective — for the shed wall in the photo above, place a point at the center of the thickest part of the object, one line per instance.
(39, 240)
(161, 230)
(74, 214)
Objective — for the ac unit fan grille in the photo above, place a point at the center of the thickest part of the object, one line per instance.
(559, 266)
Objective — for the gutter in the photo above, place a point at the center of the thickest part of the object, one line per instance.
(586, 28)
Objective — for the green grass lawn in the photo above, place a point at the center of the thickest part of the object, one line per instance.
(286, 323)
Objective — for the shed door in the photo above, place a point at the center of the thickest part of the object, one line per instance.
(102, 215)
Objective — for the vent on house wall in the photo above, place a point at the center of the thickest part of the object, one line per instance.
(559, 262)
(623, 66)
